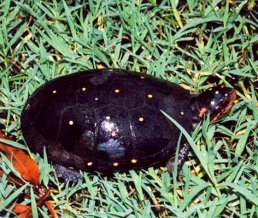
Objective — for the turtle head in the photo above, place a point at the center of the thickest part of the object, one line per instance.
(215, 101)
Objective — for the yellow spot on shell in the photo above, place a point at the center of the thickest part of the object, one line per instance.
(150, 96)
(141, 119)
(142, 77)
(83, 89)
(117, 90)
(115, 164)
(133, 161)
(71, 122)
(89, 164)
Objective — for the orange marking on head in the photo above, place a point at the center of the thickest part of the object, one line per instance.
(227, 108)
(216, 117)
(232, 99)
(202, 111)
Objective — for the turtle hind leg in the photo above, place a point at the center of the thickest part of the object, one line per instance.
(66, 174)
(180, 161)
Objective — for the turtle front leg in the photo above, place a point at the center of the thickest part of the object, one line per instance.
(181, 159)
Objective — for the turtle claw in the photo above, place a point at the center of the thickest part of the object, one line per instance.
(68, 175)
(171, 165)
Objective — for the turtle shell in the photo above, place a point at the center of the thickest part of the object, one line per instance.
(106, 120)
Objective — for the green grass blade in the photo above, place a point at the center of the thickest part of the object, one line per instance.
(203, 159)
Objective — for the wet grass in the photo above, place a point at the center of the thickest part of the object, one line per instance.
(187, 43)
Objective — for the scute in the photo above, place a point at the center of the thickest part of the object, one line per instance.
(106, 120)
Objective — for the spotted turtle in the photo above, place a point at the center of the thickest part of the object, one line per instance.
(110, 119)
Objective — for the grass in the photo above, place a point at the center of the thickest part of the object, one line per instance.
(185, 43)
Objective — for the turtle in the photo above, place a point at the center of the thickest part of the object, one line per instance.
(110, 120)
